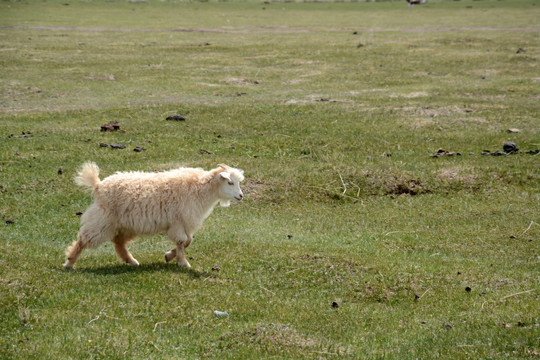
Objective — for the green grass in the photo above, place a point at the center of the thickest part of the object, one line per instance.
(311, 112)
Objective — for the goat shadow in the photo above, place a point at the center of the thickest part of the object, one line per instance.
(119, 269)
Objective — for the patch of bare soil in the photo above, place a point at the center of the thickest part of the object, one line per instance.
(457, 174)
(277, 336)
(254, 188)
(240, 81)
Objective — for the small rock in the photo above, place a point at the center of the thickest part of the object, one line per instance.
(355, 33)
(533, 152)
(203, 151)
(176, 117)
(468, 289)
(510, 147)
(520, 50)
(139, 149)
(471, 154)
(416, 297)
(486, 152)
(60, 171)
(513, 130)
(506, 325)
(512, 236)
(289, 236)
(216, 268)
(221, 313)
(10, 221)
(448, 326)
(521, 324)
(118, 146)
(104, 145)
(79, 213)
(498, 153)
(335, 305)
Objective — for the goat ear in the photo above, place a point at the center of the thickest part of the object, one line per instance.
(224, 167)
(225, 176)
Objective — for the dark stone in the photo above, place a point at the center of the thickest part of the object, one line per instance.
(510, 147)
(118, 146)
(139, 149)
(335, 305)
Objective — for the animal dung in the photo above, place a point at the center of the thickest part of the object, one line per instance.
(442, 152)
(114, 146)
(176, 117)
(110, 126)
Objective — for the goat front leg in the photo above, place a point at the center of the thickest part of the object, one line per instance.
(169, 255)
(181, 257)
(178, 235)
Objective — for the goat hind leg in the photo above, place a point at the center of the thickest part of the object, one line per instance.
(73, 252)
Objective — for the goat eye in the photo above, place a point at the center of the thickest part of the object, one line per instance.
(230, 183)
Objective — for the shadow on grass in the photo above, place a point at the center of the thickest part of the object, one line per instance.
(119, 269)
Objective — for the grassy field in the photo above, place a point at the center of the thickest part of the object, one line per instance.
(352, 242)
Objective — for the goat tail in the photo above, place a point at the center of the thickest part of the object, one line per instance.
(88, 176)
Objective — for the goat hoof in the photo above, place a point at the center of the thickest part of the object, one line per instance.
(169, 256)
(68, 266)
(184, 265)
(133, 262)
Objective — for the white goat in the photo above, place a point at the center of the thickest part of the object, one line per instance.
(128, 204)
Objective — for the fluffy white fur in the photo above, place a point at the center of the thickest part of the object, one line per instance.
(128, 204)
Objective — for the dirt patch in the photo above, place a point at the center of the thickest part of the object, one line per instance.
(456, 174)
(278, 337)
(412, 95)
(240, 81)
(254, 188)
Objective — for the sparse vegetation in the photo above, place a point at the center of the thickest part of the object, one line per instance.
(352, 242)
